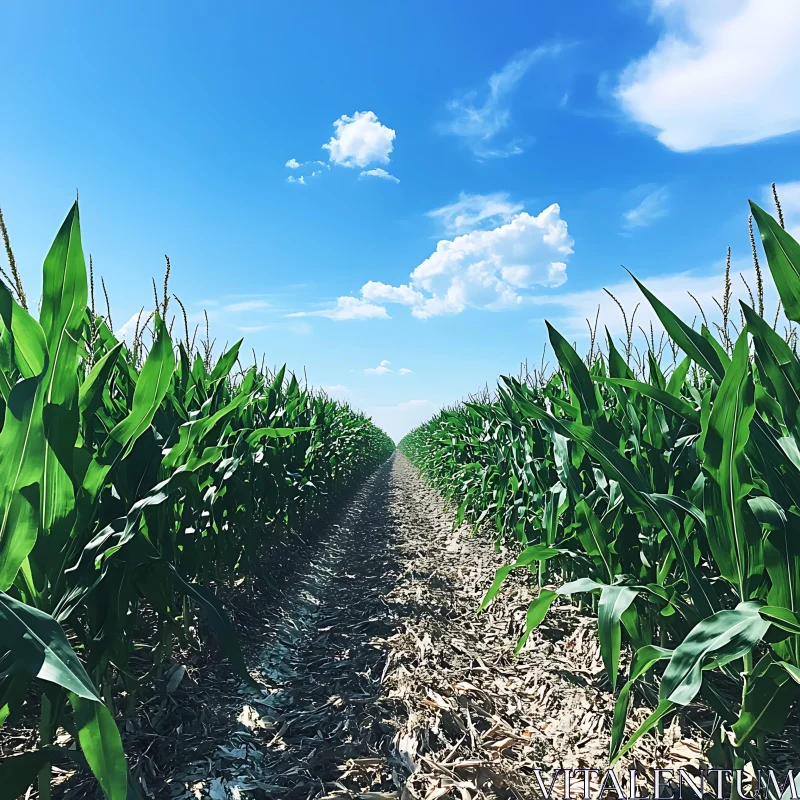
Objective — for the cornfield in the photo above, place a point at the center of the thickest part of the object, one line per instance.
(133, 480)
(666, 499)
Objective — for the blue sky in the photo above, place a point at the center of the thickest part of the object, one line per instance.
(441, 135)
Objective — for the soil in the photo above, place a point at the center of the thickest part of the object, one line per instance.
(382, 681)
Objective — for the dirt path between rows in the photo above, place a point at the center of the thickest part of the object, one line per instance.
(384, 683)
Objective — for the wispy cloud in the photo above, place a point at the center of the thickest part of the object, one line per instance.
(336, 388)
(298, 328)
(479, 122)
(404, 371)
(654, 205)
(473, 211)
(247, 305)
(721, 73)
(347, 308)
(382, 369)
(378, 173)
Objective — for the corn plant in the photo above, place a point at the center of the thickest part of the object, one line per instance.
(668, 498)
(137, 477)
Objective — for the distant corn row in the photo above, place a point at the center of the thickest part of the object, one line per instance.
(130, 483)
(672, 500)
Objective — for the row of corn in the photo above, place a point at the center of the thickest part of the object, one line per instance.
(666, 502)
(131, 484)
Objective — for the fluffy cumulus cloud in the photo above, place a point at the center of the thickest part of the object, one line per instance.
(384, 293)
(347, 308)
(360, 140)
(492, 268)
(653, 206)
(475, 210)
(723, 72)
(479, 123)
(379, 173)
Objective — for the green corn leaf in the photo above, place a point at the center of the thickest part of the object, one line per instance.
(734, 543)
(41, 649)
(578, 375)
(665, 398)
(101, 745)
(151, 388)
(64, 296)
(18, 772)
(662, 709)
(721, 638)
(783, 258)
(528, 556)
(538, 609)
(770, 693)
(783, 618)
(219, 621)
(91, 392)
(644, 660)
(22, 450)
(226, 362)
(594, 538)
(692, 343)
(614, 600)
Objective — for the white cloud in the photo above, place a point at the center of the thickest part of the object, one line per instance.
(473, 210)
(404, 371)
(292, 179)
(379, 173)
(360, 140)
(347, 308)
(789, 195)
(336, 388)
(383, 292)
(299, 328)
(381, 369)
(652, 207)
(479, 123)
(491, 269)
(486, 269)
(292, 163)
(398, 420)
(247, 305)
(723, 72)
(128, 330)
